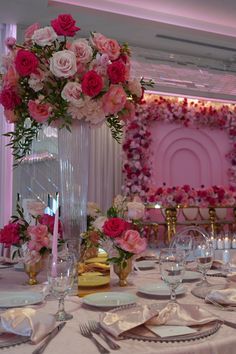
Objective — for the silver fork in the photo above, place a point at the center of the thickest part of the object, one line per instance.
(95, 328)
(220, 306)
(86, 332)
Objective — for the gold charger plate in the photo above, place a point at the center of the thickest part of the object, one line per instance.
(93, 280)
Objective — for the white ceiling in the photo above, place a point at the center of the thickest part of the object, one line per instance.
(186, 46)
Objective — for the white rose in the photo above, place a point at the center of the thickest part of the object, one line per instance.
(63, 64)
(135, 210)
(93, 111)
(135, 87)
(72, 93)
(82, 50)
(44, 36)
(99, 222)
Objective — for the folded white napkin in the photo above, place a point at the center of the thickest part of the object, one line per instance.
(120, 321)
(223, 297)
(27, 322)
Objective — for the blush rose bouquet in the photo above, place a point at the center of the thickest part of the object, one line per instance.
(118, 232)
(55, 78)
(33, 239)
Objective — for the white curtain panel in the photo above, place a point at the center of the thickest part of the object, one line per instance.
(105, 167)
(6, 169)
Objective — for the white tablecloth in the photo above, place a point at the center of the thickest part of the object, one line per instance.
(72, 342)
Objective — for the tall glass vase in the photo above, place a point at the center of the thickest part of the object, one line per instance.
(73, 150)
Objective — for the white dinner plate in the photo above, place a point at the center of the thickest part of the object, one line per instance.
(19, 298)
(160, 289)
(190, 275)
(109, 299)
(145, 264)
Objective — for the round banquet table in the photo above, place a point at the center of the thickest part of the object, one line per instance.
(70, 341)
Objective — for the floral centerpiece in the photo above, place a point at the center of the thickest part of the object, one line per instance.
(33, 238)
(56, 79)
(117, 232)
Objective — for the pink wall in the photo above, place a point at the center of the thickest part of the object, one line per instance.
(189, 156)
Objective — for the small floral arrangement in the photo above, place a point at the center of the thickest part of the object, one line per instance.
(117, 232)
(34, 238)
(188, 196)
(50, 79)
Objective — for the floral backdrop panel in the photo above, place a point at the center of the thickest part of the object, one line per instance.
(189, 156)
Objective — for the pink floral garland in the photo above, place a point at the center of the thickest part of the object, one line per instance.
(137, 167)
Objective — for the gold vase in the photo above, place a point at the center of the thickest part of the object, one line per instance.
(123, 271)
(32, 270)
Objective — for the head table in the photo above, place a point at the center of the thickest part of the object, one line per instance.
(70, 341)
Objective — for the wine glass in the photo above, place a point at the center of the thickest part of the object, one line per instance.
(204, 255)
(61, 273)
(172, 267)
(184, 241)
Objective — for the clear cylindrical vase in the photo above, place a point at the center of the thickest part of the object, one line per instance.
(73, 151)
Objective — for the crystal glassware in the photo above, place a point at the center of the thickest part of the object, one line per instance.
(61, 273)
(172, 267)
(204, 255)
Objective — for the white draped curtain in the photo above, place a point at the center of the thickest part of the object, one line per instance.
(40, 178)
(6, 169)
(105, 167)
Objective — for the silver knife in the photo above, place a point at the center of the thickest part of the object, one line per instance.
(48, 339)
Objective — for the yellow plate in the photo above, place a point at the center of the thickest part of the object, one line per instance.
(90, 274)
(91, 281)
(102, 255)
(96, 260)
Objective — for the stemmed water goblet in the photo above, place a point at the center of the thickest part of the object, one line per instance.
(172, 268)
(204, 255)
(61, 274)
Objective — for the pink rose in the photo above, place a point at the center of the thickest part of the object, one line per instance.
(114, 227)
(128, 113)
(116, 72)
(44, 36)
(72, 93)
(63, 64)
(49, 220)
(132, 242)
(106, 45)
(9, 98)
(98, 41)
(30, 31)
(114, 100)
(82, 50)
(26, 62)
(10, 116)
(112, 48)
(39, 237)
(135, 88)
(39, 111)
(92, 84)
(10, 42)
(10, 234)
(11, 77)
(64, 25)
